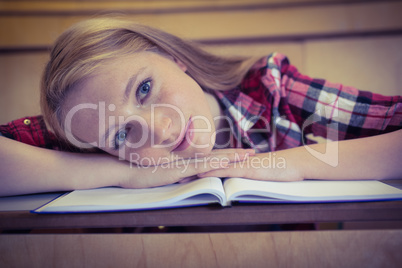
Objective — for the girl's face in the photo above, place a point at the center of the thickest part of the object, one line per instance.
(143, 108)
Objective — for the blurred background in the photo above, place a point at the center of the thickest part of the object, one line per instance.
(358, 43)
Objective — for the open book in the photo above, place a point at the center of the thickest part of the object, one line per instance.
(211, 190)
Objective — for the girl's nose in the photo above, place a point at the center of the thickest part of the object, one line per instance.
(161, 129)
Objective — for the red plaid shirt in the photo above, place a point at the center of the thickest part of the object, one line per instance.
(31, 130)
(274, 108)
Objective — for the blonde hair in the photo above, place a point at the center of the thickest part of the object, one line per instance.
(80, 50)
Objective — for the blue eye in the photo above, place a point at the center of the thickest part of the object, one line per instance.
(143, 90)
(120, 138)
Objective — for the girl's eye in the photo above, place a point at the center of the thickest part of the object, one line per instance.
(120, 138)
(143, 91)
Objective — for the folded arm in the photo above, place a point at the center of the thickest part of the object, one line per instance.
(372, 158)
(28, 169)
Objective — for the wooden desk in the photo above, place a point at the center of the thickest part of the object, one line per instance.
(14, 214)
(211, 215)
(376, 248)
(335, 248)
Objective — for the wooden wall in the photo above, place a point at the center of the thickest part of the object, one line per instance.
(354, 42)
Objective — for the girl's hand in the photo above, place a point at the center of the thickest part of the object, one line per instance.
(183, 169)
(266, 166)
(337, 160)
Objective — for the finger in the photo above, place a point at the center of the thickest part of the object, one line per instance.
(230, 156)
(232, 151)
(194, 167)
(216, 162)
(173, 172)
(188, 179)
(220, 173)
(233, 155)
(233, 170)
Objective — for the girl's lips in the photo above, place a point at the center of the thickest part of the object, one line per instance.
(188, 135)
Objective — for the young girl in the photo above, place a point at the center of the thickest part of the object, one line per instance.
(114, 90)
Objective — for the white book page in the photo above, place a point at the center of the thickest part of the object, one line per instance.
(113, 197)
(309, 190)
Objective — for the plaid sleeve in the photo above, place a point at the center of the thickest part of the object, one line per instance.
(308, 110)
(30, 130)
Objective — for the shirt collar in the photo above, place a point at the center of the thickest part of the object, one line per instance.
(242, 110)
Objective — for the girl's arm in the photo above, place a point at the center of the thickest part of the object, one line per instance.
(374, 158)
(28, 169)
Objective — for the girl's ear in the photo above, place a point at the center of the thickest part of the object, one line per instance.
(181, 65)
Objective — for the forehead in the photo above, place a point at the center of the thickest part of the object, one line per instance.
(105, 81)
(108, 82)
(113, 75)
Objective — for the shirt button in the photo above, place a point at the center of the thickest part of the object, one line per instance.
(27, 122)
